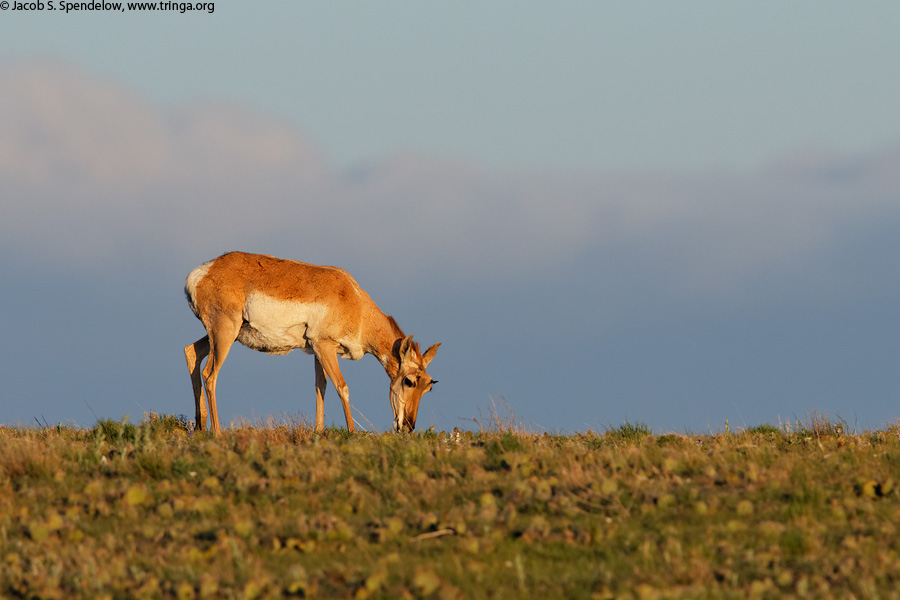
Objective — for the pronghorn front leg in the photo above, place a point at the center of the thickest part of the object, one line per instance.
(321, 384)
(195, 353)
(326, 353)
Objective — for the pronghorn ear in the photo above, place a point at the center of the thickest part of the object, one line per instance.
(429, 354)
(406, 346)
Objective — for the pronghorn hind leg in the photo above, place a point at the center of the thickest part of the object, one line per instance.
(195, 353)
(326, 352)
(221, 337)
(321, 384)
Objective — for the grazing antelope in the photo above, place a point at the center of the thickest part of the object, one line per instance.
(275, 305)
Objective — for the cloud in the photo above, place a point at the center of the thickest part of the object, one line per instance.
(92, 171)
(94, 174)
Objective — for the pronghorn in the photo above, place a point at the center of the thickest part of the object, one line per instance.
(275, 305)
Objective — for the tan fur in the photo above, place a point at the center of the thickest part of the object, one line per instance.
(275, 305)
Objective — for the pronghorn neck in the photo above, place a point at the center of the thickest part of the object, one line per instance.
(385, 348)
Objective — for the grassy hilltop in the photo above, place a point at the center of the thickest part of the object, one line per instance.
(153, 511)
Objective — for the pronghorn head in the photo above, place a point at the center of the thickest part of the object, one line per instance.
(410, 383)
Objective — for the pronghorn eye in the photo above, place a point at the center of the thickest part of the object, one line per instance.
(409, 382)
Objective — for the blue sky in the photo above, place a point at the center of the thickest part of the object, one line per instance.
(678, 214)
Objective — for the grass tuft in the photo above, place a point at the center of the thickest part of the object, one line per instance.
(500, 418)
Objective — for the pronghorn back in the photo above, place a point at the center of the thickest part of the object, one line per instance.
(282, 304)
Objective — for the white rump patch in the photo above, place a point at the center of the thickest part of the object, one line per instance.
(193, 279)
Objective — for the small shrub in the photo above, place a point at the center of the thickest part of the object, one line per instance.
(670, 439)
(628, 432)
(817, 425)
(764, 429)
(167, 424)
(115, 432)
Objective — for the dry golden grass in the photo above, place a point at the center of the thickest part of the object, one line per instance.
(154, 510)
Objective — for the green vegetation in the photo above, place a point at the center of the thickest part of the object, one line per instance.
(152, 510)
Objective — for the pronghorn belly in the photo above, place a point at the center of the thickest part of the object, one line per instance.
(278, 326)
(258, 340)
